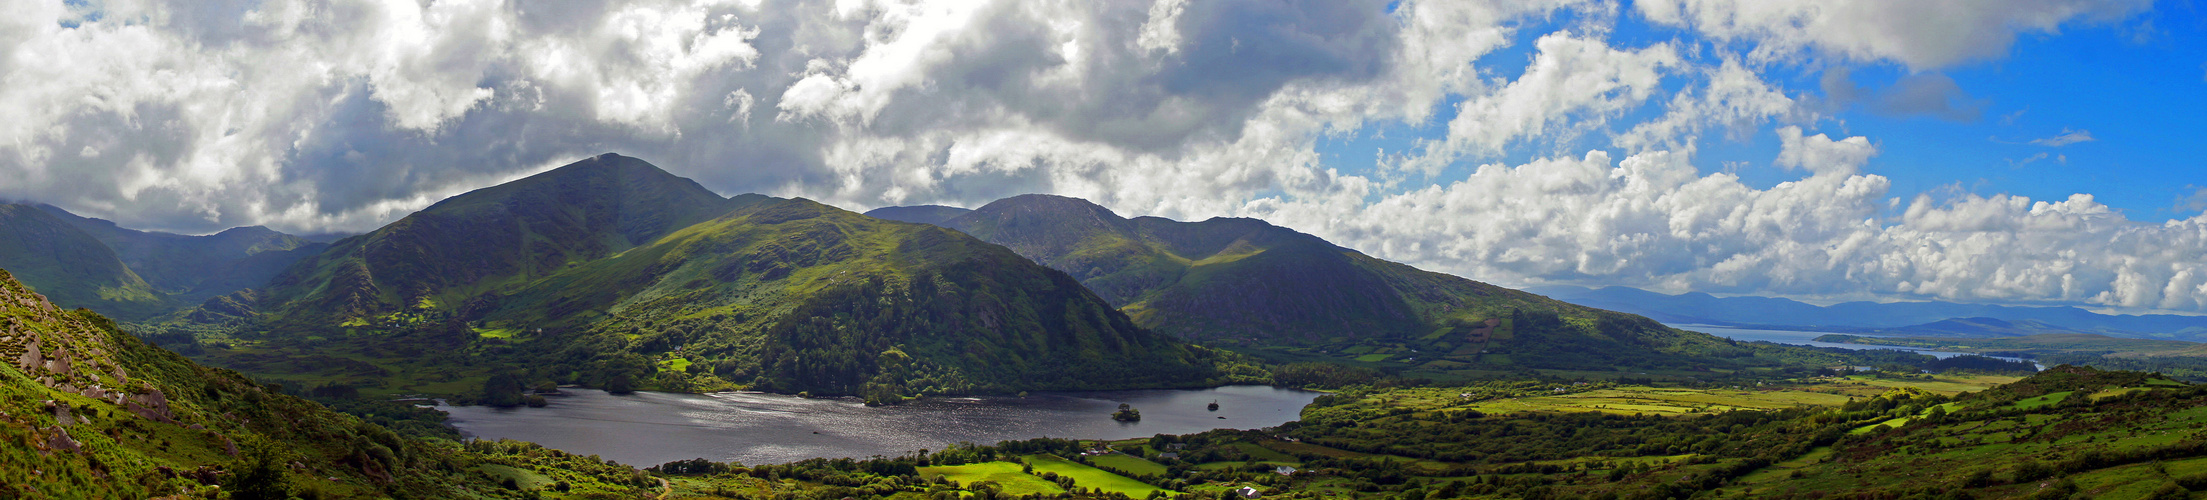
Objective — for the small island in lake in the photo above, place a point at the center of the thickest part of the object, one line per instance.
(1127, 413)
(1214, 405)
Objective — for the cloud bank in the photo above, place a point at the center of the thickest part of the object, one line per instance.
(1552, 151)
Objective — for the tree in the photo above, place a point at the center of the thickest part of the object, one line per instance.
(620, 384)
(259, 473)
(502, 390)
(1126, 413)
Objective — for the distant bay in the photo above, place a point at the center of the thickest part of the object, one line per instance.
(649, 428)
(1798, 337)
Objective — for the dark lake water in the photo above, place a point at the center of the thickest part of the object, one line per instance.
(647, 428)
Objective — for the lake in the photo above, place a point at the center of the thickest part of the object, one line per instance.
(650, 428)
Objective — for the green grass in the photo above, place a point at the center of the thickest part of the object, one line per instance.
(1266, 454)
(1006, 475)
(1373, 358)
(1313, 449)
(1091, 477)
(1891, 424)
(495, 333)
(2042, 401)
(1129, 463)
(527, 480)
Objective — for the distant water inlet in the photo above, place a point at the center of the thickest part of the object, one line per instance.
(647, 428)
(1796, 337)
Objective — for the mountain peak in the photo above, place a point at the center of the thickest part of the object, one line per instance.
(503, 235)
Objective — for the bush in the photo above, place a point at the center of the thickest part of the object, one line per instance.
(259, 474)
(2032, 470)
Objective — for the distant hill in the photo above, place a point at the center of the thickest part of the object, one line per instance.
(137, 275)
(1979, 327)
(1703, 308)
(191, 269)
(72, 266)
(1224, 278)
(924, 214)
(613, 273)
(1292, 296)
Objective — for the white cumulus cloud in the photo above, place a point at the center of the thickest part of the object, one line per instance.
(1573, 158)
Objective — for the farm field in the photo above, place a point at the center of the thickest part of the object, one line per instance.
(1624, 399)
(1131, 464)
(1090, 477)
(1006, 475)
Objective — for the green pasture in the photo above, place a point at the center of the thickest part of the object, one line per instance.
(1006, 475)
(1091, 477)
(1129, 463)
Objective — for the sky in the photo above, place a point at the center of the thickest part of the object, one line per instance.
(1992, 151)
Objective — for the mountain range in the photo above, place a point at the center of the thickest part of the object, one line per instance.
(132, 274)
(1290, 296)
(613, 273)
(1928, 318)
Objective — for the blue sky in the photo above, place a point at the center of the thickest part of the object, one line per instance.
(2137, 88)
(1824, 150)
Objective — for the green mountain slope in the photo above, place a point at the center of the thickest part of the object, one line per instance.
(92, 412)
(70, 265)
(924, 214)
(490, 239)
(611, 273)
(1289, 295)
(191, 269)
(795, 295)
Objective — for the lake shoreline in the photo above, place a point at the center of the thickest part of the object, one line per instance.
(648, 428)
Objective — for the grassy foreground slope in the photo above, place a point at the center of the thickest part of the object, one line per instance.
(1290, 296)
(92, 412)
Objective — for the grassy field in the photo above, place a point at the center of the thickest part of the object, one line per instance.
(1306, 448)
(1942, 384)
(1626, 400)
(1266, 455)
(1006, 475)
(527, 480)
(1090, 477)
(1129, 463)
(2046, 400)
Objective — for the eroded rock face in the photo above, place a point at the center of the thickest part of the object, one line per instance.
(153, 405)
(60, 411)
(59, 440)
(71, 352)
